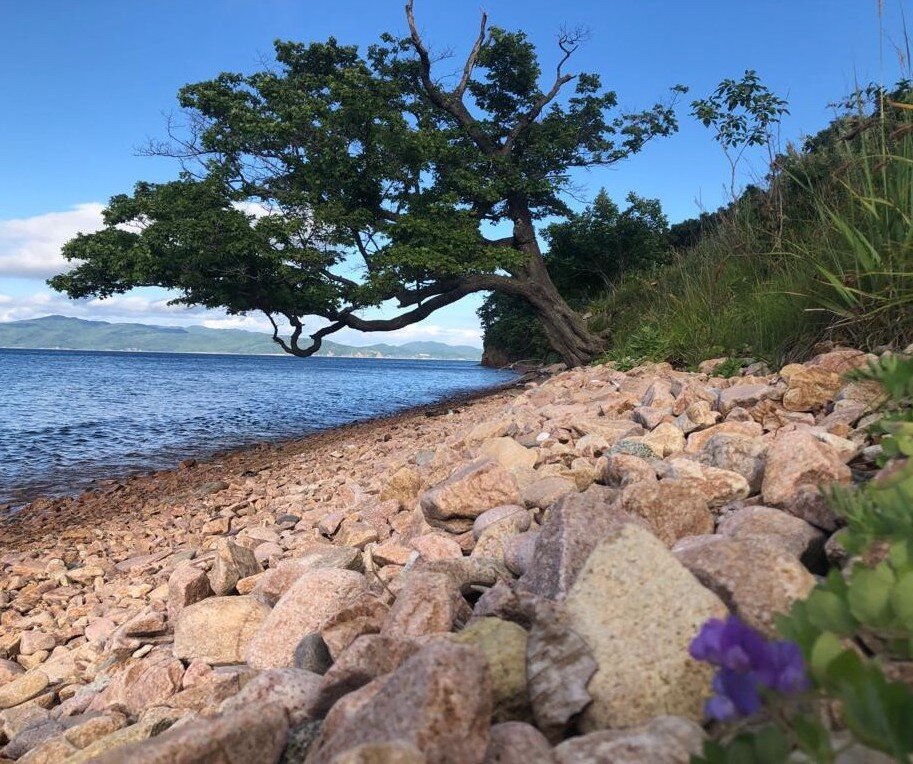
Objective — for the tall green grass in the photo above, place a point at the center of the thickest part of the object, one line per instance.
(834, 262)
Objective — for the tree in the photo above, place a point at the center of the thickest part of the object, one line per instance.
(587, 255)
(340, 181)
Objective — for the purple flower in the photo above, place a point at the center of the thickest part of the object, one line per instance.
(729, 644)
(784, 670)
(747, 662)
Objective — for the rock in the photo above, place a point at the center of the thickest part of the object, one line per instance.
(796, 536)
(637, 609)
(146, 682)
(809, 388)
(22, 688)
(697, 440)
(403, 487)
(735, 453)
(744, 396)
(516, 516)
(277, 581)
(664, 740)
(508, 453)
(391, 752)
(367, 658)
(473, 488)
(391, 552)
(312, 654)
(434, 546)
(517, 743)
(542, 493)
(218, 629)
(429, 603)
(719, 487)
(572, 529)
(310, 602)
(797, 464)
(108, 749)
(9, 670)
(94, 728)
(671, 508)
(620, 470)
(559, 667)
(665, 439)
(756, 579)
(519, 552)
(34, 641)
(232, 563)
(439, 700)
(365, 615)
(187, 585)
(252, 734)
(294, 689)
(504, 647)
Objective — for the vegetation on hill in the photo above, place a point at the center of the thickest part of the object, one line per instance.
(822, 251)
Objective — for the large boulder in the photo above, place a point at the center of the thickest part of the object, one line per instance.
(311, 601)
(571, 530)
(473, 488)
(637, 609)
(218, 629)
(671, 508)
(755, 577)
(798, 464)
(439, 701)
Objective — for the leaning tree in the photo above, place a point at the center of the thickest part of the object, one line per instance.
(338, 181)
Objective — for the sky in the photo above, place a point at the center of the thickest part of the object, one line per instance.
(83, 86)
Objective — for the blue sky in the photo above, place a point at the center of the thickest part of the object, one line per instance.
(83, 85)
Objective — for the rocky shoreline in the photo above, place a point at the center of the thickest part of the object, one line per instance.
(513, 578)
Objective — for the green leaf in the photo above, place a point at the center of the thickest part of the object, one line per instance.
(902, 600)
(829, 612)
(826, 649)
(869, 594)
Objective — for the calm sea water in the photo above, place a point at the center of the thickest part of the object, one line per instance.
(69, 417)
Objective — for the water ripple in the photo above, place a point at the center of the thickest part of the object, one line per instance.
(69, 417)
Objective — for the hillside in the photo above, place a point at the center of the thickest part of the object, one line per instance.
(64, 333)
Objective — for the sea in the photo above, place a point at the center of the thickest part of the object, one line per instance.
(69, 418)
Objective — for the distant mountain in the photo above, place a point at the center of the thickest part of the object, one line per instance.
(64, 333)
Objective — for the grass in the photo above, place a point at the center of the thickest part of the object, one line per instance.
(837, 267)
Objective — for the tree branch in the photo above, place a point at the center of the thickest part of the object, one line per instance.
(451, 103)
(471, 60)
(568, 42)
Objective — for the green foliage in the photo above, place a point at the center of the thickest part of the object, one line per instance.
(375, 181)
(740, 112)
(587, 254)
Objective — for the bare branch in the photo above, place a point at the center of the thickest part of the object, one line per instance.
(451, 103)
(569, 42)
(473, 56)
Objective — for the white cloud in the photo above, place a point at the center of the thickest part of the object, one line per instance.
(139, 308)
(31, 246)
(30, 250)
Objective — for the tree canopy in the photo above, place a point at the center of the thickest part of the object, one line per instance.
(338, 180)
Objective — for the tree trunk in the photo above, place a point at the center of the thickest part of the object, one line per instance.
(565, 329)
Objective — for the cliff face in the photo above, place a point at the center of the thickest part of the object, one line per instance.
(524, 572)
(494, 358)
